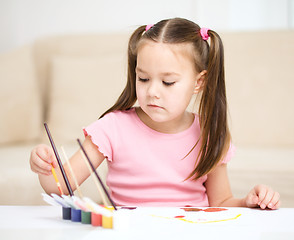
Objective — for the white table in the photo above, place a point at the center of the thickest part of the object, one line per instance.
(45, 222)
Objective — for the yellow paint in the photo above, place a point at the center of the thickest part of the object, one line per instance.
(189, 221)
(107, 222)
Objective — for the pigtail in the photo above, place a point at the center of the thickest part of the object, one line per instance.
(128, 96)
(215, 136)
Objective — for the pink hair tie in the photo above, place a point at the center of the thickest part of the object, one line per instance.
(204, 33)
(148, 27)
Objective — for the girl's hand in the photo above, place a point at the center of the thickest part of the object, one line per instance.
(42, 159)
(264, 197)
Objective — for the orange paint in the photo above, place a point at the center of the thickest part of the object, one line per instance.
(189, 209)
(205, 210)
(179, 216)
(214, 209)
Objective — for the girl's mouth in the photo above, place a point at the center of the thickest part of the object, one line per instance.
(153, 106)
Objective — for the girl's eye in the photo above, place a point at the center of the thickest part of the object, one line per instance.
(143, 79)
(168, 83)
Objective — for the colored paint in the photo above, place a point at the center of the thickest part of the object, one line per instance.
(96, 219)
(205, 210)
(199, 221)
(214, 209)
(179, 216)
(189, 209)
(107, 222)
(75, 215)
(86, 217)
(66, 213)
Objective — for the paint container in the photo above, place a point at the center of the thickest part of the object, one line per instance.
(86, 217)
(107, 220)
(75, 215)
(66, 213)
(121, 220)
(96, 219)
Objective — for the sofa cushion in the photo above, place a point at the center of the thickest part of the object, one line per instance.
(260, 85)
(73, 45)
(20, 104)
(82, 89)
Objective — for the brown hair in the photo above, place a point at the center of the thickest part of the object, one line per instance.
(215, 137)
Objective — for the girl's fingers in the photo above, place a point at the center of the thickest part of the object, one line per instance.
(54, 163)
(267, 198)
(275, 201)
(47, 155)
(278, 204)
(264, 197)
(39, 170)
(260, 191)
(38, 165)
(252, 199)
(44, 153)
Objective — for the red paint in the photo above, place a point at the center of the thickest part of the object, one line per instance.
(179, 216)
(192, 209)
(189, 209)
(214, 209)
(96, 219)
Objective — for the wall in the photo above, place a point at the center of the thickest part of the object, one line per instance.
(22, 21)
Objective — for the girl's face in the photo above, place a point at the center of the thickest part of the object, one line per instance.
(165, 80)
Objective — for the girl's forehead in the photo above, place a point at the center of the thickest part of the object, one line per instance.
(176, 50)
(158, 56)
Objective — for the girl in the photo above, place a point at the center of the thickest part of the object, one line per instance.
(158, 153)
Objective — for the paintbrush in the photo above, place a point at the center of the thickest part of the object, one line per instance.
(96, 174)
(72, 173)
(59, 161)
(94, 179)
(56, 180)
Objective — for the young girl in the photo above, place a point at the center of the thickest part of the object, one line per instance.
(158, 153)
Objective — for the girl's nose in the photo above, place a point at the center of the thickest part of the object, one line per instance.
(153, 89)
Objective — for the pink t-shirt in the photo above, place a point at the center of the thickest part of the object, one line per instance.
(146, 167)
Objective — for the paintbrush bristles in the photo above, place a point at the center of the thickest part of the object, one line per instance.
(72, 172)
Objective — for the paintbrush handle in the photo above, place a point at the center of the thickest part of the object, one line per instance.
(99, 179)
(59, 161)
(57, 181)
(72, 172)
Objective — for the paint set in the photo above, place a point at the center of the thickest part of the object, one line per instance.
(87, 211)
(83, 209)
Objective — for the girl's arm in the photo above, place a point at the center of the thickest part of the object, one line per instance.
(220, 194)
(42, 157)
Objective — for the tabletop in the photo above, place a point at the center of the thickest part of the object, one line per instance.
(45, 222)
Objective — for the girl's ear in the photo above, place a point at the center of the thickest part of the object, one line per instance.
(199, 82)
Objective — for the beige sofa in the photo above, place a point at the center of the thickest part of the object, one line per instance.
(68, 81)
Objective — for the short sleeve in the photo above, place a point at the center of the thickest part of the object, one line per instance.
(100, 132)
(229, 155)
